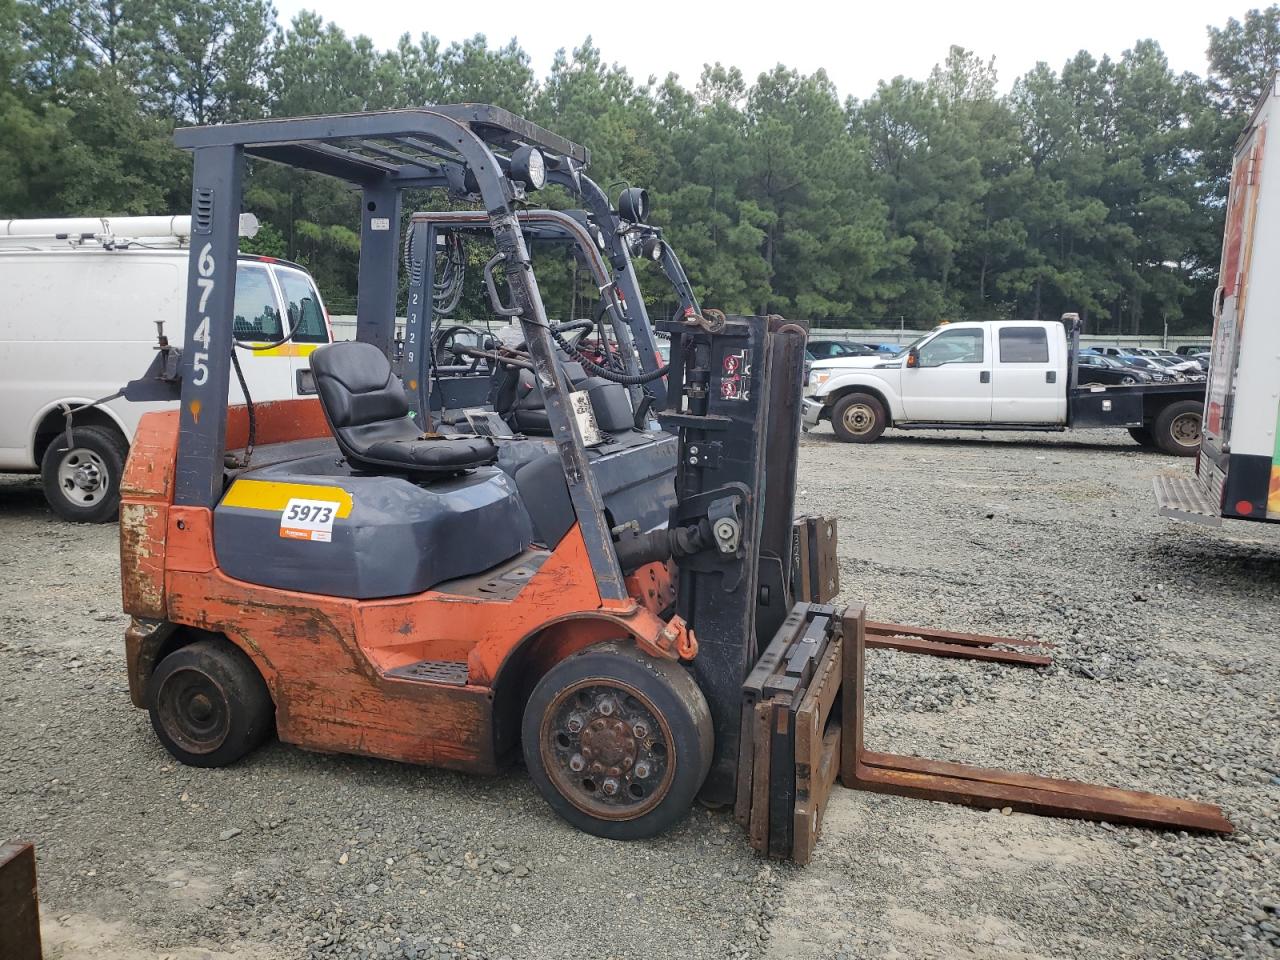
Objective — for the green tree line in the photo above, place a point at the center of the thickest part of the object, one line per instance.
(1097, 186)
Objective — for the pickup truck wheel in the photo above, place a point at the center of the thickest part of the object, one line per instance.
(1143, 436)
(858, 418)
(82, 481)
(1177, 428)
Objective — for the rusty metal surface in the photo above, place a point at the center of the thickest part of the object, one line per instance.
(948, 643)
(934, 649)
(607, 749)
(817, 752)
(878, 772)
(950, 636)
(19, 907)
(815, 573)
(789, 743)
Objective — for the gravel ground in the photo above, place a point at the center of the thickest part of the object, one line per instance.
(1165, 679)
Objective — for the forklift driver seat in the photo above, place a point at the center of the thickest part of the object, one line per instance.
(368, 412)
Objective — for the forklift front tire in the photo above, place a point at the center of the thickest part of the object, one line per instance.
(209, 705)
(617, 742)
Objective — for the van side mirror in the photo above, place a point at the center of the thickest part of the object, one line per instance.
(913, 357)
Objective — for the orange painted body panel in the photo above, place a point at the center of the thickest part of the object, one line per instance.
(326, 659)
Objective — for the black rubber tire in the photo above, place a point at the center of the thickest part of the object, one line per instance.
(866, 410)
(224, 674)
(1142, 436)
(110, 449)
(671, 689)
(1169, 419)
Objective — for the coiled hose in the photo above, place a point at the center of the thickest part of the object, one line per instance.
(626, 379)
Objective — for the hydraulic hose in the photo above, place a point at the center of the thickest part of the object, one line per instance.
(626, 379)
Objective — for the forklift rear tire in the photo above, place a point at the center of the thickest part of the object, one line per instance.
(1177, 428)
(617, 742)
(209, 705)
(858, 418)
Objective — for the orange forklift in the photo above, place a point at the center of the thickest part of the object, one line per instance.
(632, 607)
(363, 582)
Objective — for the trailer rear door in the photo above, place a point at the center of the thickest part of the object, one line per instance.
(1232, 294)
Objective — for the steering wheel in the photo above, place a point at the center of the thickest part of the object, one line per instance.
(445, 353)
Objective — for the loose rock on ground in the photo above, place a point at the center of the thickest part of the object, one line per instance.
(1165, 679)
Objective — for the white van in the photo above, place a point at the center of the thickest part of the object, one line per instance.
(79, 302)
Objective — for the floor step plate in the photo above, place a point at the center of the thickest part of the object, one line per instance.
(450, 672)
(1183, 498)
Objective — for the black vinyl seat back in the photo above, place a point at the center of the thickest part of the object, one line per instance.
(368, 411)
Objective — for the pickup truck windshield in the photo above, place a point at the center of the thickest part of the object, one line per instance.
(962, 345)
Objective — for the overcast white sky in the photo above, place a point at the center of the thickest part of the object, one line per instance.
(858, 44)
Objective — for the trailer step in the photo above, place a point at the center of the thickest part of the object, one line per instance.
(1183, 498)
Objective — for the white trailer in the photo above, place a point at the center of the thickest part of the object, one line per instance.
(1238, 468)
(79, 303)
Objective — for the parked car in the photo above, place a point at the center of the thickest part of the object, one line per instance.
(78, 321)
(1183, 368)
(830, 349)
(1095, 368)
(1158, 372)
(1191, 349)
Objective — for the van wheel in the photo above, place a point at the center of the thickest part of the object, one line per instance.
(209, 705)
(1177, 428)
(618, 743)
(858, 418)
(82, 482)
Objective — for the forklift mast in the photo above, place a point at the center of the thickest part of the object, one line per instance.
(733, 396)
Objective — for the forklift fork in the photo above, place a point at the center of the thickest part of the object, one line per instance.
(802, 727)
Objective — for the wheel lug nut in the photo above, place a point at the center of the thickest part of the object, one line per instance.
(574, 724)
(605, 707)
(640, 730)
(597, 767)
(642, 769)
(610, 786)
(576, 763)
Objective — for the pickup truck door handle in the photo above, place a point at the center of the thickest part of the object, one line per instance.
(1051, 376)
(984, 376)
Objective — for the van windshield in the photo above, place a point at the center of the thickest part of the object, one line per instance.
(257, 316)
(303, 304)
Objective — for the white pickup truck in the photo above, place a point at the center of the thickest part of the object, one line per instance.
(995, 375)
